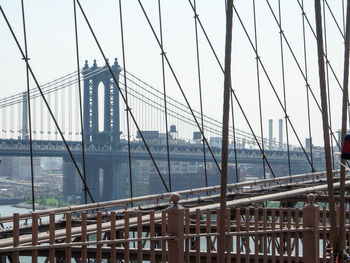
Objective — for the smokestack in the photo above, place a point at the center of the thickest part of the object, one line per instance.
(270, 132)
(280, 138)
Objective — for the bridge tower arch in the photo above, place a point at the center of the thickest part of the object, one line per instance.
(92, 77)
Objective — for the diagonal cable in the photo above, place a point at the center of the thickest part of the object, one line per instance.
(123, 97)
(179, 85)
(43, 97)
(272, 86)
(80, 99)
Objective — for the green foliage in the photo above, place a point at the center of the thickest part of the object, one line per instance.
(48, 202)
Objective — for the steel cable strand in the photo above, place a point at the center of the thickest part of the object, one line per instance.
(123, 97)
(29, 107)
(209, 42)
(307, 85)
(234, 139)
(251, 129)
(343, 130)
(178, 83)
(14, 99)
(272, 86)
(327, 78)
(314, 34)
(259, 90)
(80, 99)
(43, 97)
(164, 93)
(330, 181)
(334, 19)
(283, 84)
(126, 97)
(341, 32)
(298, 65)
(182, 105)
(200, 92)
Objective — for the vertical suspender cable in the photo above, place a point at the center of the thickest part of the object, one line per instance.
(234, 138)
(70, 111)
(29, 113)
(56, 113)
(307, 84)
(284, 85)
(63, 95)
(41, 109)
(225, 127)
(126, 97)
(48, 117)
(327, 78)
(200, 91)
(164, 93)
(80, 101)
(33, 105)
(259, 91)
(343, 12)
(343, 131)
(42, 94)
(323, 92)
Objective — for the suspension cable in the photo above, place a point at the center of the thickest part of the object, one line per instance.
(179, 85)
(29, 108)
(123, 97)
(43, 97)
(327, 77)
(343, 130)
(164, 93)
(272, 86)
(126, 98)
(320, 53)
(284, 84)
(259, 89)
(307, 85)
(314, 34)
(298, 65)
(80, 100)
(334, 19)
(234, 139)
(200, 92)
(235, 96)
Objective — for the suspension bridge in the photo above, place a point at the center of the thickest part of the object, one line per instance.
(105, 122)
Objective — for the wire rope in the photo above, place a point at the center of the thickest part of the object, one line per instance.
(123, 97)
(164, 93)
(126, 98)
(307, 85)
(259, 90)
(38, 86)
(200, 92)
(29, 108)
(80, 101)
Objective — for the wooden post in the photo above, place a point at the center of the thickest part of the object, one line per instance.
(68, 237)
(34, 237)
(311, 219)
(52, 237)
(176, 228)
(15, 237)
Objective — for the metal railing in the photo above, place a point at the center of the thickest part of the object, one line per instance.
(177, 235)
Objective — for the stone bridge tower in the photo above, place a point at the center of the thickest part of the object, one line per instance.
(93, 77)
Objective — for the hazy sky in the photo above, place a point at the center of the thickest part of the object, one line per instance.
(50, 29)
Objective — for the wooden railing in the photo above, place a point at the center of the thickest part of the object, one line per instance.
(177, 235)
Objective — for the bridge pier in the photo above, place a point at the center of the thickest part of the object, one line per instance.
(69, 178)
(107, 190)
(92, 178)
